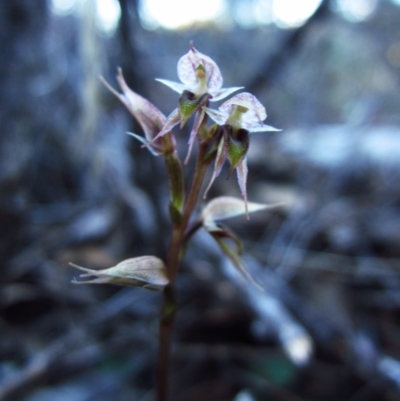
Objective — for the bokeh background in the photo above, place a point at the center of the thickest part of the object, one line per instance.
(75, 187)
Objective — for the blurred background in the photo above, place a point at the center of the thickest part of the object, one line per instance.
(75, 187)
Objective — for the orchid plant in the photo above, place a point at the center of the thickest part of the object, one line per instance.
(238, 117)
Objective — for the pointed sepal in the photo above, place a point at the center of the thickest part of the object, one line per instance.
(234, 256)
(220, 158)
(173, 119)
(216, 115)
(199, 117)
(241, 172)
(145, 143)
(226, 207)
(222, 93)
(176, 86)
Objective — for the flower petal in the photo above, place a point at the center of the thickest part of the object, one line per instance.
(223, 93)
(193, 133)
(151, 148)
(217, 116)
(226, 207)
(222, 154)
(241, 171)
(176, 86)
(234, 257)
(256, 111)
(188, 64)
(259, 128)
(173, 119)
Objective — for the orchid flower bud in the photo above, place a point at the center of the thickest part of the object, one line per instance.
(144, 271)
(147, 115)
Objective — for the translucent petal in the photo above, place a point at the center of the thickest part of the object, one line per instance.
(223, 93)
(217, 116)
(219, 162)
(172, 120)
(234, 257)
(187, 70)
(242, 171)
(176, 86)
(258, 127)
(195, 129)
(226, 207)
(151, 148)
(256, 111)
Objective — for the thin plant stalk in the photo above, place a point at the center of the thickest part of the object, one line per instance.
(173, 261)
